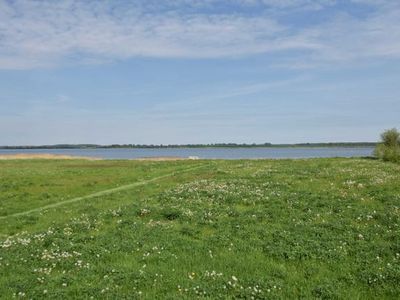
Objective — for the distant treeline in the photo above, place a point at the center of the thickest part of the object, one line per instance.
(217, 145)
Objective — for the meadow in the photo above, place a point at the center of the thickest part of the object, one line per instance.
(242, 229)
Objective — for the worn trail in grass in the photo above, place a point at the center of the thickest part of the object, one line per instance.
(97, 194)
(318, 228)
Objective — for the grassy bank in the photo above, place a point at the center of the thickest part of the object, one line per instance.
(275, 229)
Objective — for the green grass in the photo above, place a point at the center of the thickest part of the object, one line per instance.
(267, 229)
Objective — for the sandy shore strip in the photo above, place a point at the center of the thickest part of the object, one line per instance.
(43, 156)
(61, 156)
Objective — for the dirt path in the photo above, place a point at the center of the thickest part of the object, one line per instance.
(101, 193)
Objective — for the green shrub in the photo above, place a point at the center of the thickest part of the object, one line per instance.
(389, 148)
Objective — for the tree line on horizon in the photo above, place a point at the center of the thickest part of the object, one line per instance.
(216, 145)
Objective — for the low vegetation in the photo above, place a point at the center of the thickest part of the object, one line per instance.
(389, 148)
(261, 229)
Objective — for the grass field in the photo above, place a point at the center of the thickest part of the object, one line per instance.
(268, 229)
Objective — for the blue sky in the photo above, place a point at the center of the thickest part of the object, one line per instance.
(189, 71)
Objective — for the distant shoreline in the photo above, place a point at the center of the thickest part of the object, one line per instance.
(222, 145)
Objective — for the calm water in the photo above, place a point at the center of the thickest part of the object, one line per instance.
(224, 153)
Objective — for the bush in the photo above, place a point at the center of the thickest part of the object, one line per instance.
(389, 148)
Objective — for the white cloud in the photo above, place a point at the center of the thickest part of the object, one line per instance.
(49, 33)
(346, 38)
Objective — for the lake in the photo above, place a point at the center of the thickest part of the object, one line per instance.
(208, 153)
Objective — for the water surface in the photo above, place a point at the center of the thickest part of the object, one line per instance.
(208, 153)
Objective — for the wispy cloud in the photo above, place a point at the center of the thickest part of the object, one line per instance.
(225, 95)
(50, 33)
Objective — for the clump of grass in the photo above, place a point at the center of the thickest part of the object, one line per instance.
(171, 214)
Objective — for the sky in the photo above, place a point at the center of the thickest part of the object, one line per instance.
(191, 71)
